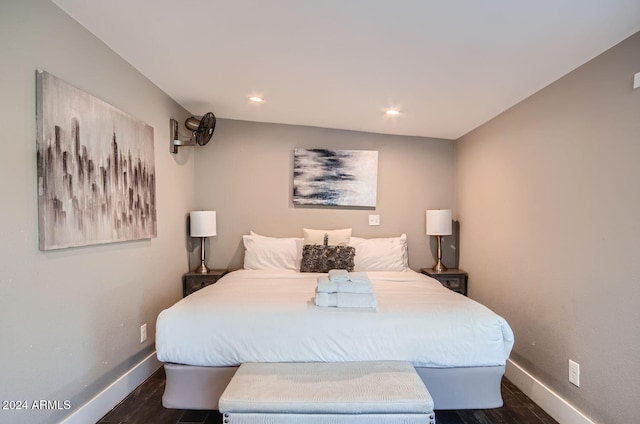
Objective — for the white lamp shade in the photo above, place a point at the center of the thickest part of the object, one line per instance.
(203, 223)
(439, 222)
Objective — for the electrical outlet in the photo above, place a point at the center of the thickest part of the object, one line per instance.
(374, 219)
(143, 333)
(574, 373)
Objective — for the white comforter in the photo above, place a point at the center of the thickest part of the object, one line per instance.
(269, 316)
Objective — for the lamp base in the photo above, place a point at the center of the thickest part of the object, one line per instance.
(202, 269)
(439, 267)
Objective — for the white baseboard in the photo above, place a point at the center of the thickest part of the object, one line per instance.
(561, 410)
(104, 401)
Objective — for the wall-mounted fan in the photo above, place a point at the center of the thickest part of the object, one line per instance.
(201, 128)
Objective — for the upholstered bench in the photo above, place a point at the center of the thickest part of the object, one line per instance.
(378, 392)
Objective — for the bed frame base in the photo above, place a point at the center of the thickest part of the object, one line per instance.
(193, 387)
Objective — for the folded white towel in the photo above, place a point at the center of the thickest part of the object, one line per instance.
(346, 300)
(359, 277)
(325, 285)
(338, 275)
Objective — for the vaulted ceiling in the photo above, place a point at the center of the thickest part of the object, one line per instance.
(445, 66)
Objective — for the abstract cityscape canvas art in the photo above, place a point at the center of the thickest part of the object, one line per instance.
(96, 172)
(335, 177)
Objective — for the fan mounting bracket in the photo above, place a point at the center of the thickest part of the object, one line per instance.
(201, 127)
(176, 141)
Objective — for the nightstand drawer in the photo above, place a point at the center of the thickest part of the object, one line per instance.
(194, 284)
(192, 281)
(453, 279)
(451, 283)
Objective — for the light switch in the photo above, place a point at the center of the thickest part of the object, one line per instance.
(374, 219)
(636, 80)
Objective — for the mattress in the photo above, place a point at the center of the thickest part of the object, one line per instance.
(269, 316)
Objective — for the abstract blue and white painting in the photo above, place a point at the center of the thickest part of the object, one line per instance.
(335, 177)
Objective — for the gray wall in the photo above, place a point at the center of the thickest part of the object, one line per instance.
(245, 174)
(549, 204)
(546, 194)
(70, 319)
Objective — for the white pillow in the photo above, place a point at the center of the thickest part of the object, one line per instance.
(381, 254)
(263, 252)
(336, 237)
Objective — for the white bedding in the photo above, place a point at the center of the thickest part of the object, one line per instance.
(269, 316)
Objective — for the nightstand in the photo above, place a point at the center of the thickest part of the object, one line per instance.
(194, 281)
(453, 279)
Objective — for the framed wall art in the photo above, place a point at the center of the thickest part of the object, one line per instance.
(96, 171)
(335, 177)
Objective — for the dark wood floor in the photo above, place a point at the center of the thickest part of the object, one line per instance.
(144, 406)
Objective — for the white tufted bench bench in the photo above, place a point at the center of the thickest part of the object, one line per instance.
(378, 392)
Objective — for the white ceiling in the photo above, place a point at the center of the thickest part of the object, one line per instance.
(448, 65)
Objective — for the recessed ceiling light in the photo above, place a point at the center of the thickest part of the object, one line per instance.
(256, 99)
(392, 112)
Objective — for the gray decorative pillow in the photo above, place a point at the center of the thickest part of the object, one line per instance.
(318, 258)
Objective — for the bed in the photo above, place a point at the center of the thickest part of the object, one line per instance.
(458, 346)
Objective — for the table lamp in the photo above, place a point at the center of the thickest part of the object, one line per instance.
(203, 225)
(439, 224)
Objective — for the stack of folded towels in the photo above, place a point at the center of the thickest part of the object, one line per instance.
(343, 289)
